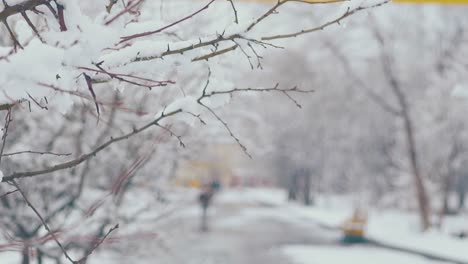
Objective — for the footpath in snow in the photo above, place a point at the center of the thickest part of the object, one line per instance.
(386, 228)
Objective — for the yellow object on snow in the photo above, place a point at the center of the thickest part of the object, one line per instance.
(356, 225)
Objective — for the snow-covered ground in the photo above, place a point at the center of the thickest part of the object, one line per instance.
(303, 254)
(396, 228)
(390, 227)
(251, 226)
(246, 226)
(245, 196)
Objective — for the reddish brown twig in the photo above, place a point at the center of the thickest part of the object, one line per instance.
(8, 120)
(43, 222)
(31, 25)
(89, 83)
(36, 152)
(144, 34)
(74, 93)
(84, 157)
(120, 77)
(8, 193)
(61, 17)
(97, 244)
(131, 5)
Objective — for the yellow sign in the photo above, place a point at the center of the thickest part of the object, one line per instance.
(307, 1)
(445, 2)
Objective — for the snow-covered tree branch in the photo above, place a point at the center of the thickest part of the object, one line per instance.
(85, 83)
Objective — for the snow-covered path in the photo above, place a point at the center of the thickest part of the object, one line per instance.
(241, 232)
(249, 236)
(249, 228)
(239, 235)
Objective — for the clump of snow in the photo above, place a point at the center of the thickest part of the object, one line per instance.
(188, 105)
(217, 100)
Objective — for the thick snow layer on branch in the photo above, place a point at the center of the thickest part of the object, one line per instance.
(217, 101)
(21, 75)
(55, 65)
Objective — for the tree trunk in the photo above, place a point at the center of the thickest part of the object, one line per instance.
(404, 112)
(424, 209)
(39, 257)
(307, 200)
(292, 188)
(461, 199)
(25, 255)
(445, 195)
(461, 192)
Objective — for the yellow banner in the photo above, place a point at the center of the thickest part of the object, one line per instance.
(308, 1)
(445, 2)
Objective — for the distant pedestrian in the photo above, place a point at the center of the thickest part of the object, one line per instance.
(205, 201)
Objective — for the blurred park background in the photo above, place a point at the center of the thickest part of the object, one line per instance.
(369, 166)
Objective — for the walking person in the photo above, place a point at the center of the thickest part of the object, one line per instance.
(205, 201)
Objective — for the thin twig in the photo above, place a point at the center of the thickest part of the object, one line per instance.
(273, 9)
(120, 77)
(245, 54)
(82, 158)
(52, 234)
(36, 152)
(235, 90)
(196, 116)
(37, 103)
(272, 89)
(144, 34)
(31, 25)
(83, 259)
(216, 53)
(337, 20)
(205, 95)
(242, 146)
(8, 120)
(259, 63)
(129, 7)
(222, 38)
(179, 138)
(12, 35)
(236, 19)
(8, 193)
(265, 15)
